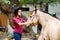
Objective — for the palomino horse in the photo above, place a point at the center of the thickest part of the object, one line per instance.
(50, 26)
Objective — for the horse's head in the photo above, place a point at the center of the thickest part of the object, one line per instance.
(35, 16)
(39, 15)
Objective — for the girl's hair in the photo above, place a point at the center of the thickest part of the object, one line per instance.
(16, 11)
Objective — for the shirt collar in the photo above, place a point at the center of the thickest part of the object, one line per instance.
(18, 16)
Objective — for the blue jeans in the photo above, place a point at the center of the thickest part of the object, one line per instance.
(17, 36)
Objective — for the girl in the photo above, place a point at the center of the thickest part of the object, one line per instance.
(18, 22)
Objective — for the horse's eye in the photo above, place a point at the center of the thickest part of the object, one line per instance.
(30, 16)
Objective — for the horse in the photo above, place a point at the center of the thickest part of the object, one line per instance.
(50, 26)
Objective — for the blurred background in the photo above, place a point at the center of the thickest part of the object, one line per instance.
(51, 7)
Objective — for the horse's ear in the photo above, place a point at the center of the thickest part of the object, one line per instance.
(33, 13)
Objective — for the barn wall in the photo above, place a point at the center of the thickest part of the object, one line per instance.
(54, 9)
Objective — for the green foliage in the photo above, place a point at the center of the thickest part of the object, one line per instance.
(6, 1)
(31, 1)
(39, 1)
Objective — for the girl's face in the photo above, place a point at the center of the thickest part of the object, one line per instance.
(19, 12)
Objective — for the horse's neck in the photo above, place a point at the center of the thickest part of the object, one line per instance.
(42, 19)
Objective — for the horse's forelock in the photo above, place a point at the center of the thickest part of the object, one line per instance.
(34, 11)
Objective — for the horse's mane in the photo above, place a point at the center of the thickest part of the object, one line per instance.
(54, 15)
